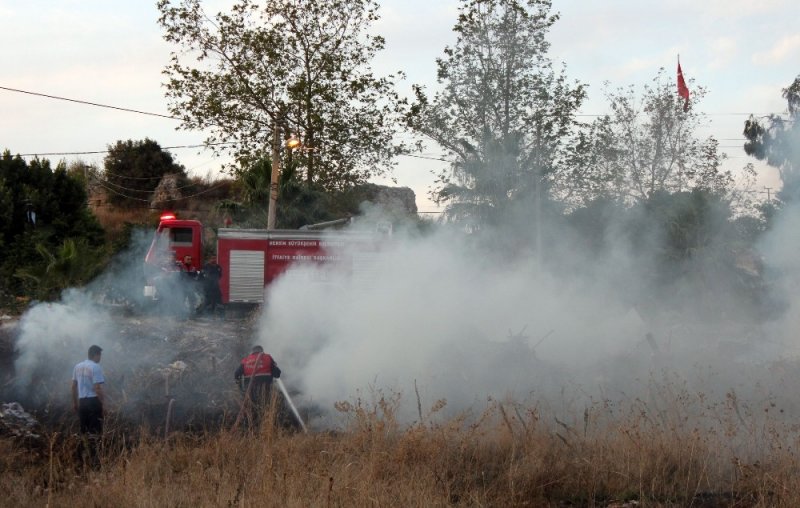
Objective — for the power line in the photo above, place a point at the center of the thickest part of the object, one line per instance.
(129, 110)
(118, 186)
(121, 194)
(102, 183)
(425, 157)
(96, 152)
(88, 103)
(108, 173)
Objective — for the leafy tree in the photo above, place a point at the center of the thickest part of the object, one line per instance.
(87, 174)
(133, 170)
(298, 203)
(289, 65)
(74, 262)
(687, 248)
(503, 113)
(6, 206)
(776, 140)
(694, 246)
(42, 208)
(647, 145)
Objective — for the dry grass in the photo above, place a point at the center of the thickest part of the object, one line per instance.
(690, 452)
(114, 220)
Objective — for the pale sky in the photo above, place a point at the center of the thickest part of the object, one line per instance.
(111, 52)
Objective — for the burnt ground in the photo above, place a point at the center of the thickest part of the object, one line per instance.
(155, 366)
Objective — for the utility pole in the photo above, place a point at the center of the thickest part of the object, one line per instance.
(769, 196)
(276, 170)
(86, 183)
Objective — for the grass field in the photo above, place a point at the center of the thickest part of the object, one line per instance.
(675, 448)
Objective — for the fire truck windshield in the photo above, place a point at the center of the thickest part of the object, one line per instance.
(181, 237)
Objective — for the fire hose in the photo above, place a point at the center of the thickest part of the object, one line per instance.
(291, 405)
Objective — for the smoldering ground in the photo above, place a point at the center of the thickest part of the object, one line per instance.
(444, 315)
(448, 316)
(150, 355)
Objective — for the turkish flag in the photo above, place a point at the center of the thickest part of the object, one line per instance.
(683, 90)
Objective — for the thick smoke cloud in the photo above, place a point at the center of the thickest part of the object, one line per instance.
(450, 318)
(53, 337)
(150, 354)
(781, 249)
(458, 322)
(449, 315)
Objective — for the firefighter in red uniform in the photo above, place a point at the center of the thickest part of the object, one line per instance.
(258, 368)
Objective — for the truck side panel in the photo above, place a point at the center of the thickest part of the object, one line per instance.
(253, 257)
(284, 252)
(242, 277)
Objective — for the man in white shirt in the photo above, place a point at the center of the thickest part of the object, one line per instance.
(87, 392)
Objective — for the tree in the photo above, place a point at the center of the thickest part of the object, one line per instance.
(292, 65)
(87, 174)
(646, 145)
(6, 207)
(504, 114)
(298, 203)
(42, 209)
(133, 170)
(777, 141)
(72, 263)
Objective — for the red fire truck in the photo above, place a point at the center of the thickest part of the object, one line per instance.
(251, 258)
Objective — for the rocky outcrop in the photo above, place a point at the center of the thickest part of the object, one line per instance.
(167, 191)
(16, 422)
(395, 200)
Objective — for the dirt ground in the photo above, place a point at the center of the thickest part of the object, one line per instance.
(157, 368)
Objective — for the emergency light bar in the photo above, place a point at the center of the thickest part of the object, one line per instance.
(167, 216)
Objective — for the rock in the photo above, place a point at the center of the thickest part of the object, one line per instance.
(395, 200)
(17, 422)
(167, 191)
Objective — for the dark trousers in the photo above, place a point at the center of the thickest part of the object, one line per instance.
(258, 397)
(90, 413)
(212, 295)
(260, 391)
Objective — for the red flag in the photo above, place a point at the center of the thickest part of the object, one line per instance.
(683, 90)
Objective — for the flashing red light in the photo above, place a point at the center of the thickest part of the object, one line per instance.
(167, 216)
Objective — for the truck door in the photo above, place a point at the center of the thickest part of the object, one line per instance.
(246, 277)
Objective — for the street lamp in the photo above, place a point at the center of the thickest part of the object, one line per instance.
(292, 142)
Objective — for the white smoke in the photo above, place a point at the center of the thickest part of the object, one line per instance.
(443, 317)
(446, 316)
(437, 315)
(53, 337)
(781, 250)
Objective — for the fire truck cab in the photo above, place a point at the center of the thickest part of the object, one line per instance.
(174, 240)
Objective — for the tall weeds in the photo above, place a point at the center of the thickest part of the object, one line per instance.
(674, 448)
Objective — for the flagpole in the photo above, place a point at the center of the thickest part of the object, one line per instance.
(680, 158)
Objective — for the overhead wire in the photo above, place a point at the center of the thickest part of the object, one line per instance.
(96, 152)
(89, 103)
(139, 190)
(103, 183)
(148, 113)
(108, 173)
(130, 110)
(161, 115)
